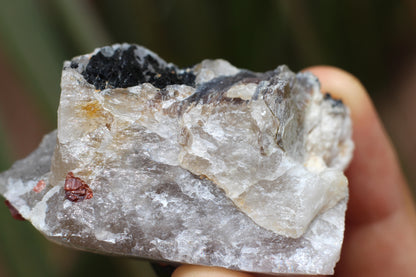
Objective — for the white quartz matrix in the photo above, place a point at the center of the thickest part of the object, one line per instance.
(210, 165)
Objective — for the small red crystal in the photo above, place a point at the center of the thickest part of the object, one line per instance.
(15, 213)
(76, 189)
(39, 186)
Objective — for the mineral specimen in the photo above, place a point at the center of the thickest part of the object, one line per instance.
(209, 165)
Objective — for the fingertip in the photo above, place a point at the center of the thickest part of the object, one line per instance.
(344, 85)
(205, 271)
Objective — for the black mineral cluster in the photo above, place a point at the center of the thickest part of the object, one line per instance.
(124, 68)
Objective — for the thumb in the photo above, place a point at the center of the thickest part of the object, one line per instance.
(380, 238)
(204, 271)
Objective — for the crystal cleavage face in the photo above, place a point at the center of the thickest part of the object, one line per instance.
(209, 165)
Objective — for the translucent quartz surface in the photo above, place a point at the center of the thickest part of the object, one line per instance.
(209, 165)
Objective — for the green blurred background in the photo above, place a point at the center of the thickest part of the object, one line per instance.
(375, 40)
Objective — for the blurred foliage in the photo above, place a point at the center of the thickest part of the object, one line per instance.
(368, 38)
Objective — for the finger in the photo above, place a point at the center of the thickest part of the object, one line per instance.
(205, 271)
(377, 186)
(380, 232)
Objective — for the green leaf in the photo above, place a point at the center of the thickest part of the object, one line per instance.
(23, 249)
(34, 50)
(82, 24)
(5, 154)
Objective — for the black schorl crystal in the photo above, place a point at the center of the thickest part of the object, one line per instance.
(335, 102)
(124, 68)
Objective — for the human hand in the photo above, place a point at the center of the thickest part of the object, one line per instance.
(380, 234)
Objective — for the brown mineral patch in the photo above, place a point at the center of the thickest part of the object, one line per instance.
(93, 109)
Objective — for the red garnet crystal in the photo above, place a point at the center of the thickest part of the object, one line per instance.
(39, 186)
(76, 189)
(15, 213)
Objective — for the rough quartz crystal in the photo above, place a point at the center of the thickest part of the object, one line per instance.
(209, 165)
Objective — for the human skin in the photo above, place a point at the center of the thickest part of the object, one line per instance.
(380, 233)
